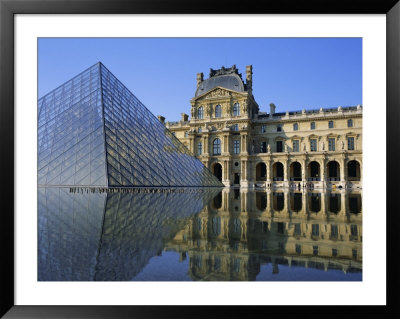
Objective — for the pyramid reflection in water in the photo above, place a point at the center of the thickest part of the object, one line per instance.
(92, 131)
(92, 236)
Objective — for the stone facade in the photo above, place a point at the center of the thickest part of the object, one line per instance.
(246, 147)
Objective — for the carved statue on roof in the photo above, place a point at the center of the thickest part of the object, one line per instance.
(223, 71)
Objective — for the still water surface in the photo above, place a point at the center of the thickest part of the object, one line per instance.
(200, 235)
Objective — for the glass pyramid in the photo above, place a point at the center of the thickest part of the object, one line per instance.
(92, 131)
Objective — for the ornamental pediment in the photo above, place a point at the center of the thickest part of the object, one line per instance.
(218, 92)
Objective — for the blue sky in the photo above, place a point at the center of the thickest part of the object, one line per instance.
(292, 73)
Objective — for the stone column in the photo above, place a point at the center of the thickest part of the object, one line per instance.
(285, 170)
(225, 171)
(226, 149)
(324, 208)
(343, 177)
(228, 178)
(244, 170)
(303, 171)
(205, 144)
(323, 173)
(286, 207)
(192, 147)
(269, 172)
(243, 142)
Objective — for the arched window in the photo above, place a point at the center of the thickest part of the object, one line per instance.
(199, 148)
(218, 111)
(200, 113)
(350, 123)
(312, 125)
(236, 109)
(217, 147)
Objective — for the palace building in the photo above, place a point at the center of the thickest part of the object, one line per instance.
(244, 146)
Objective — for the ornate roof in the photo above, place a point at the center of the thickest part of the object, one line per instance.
(228, 78)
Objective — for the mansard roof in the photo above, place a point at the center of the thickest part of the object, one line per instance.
(228, 78)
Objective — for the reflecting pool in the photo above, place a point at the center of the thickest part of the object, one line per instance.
(198, 234)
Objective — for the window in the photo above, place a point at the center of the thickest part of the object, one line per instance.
(217, 147)
(263, 147)
(280, 228)
(330, 124)
(334, 252)
(296, 146)
(263, 128)
(236, 109)
(199, 130)
(236, 147)
(350, 143)
(334, 231)
(173, 133)
(297, 229)
(200, 113)
(315, 229)
(350, 123)
(199, 148)
(186, 134)
(295, 127)
(331, 144)
(235, 127)
(298, 249)
(353, 230)
(279, 146)
(279, 128)
(315, 250)
(312, 125)
(218, 111)
(313, 145)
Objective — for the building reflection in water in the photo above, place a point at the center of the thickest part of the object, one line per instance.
(240, 231)
(227, 235)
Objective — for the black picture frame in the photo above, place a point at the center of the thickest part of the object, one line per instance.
(8, 9)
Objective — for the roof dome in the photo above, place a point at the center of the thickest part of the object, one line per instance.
(226, 78)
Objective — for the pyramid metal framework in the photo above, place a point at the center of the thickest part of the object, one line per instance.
(92, 131)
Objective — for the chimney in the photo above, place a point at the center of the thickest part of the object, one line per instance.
(184, 117)
(200, 77)
(272, 108)
(161, 119)
(249, 76)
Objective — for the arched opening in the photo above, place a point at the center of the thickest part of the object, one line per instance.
(261, 201)
(315, 202)
(314, 171)
(261, 172)
(295, 171)
(353, 171)
(217, 201)
(278, 200)
(334, 203)
(277, 171)
(354, 201)
(333, 171)
(296, 202)
(217, 171)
